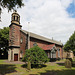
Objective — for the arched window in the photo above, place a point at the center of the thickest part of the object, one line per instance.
(17, 18)
(58, 52)
(35, 44)
(12, 18)
(21, 39)
(53, 53)
(21, 52)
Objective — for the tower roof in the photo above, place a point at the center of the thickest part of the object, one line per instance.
(15, 12)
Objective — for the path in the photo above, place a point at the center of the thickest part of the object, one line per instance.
(14, 62)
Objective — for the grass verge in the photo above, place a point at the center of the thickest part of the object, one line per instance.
(48, 69)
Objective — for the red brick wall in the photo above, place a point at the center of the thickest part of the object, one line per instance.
(14, 35)
(23, 44)
(40, 43)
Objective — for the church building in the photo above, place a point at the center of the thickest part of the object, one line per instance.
(20, 40)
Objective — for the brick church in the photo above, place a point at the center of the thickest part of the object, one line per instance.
(20, 40)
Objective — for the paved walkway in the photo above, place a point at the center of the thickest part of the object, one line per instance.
(54, 63)
(14, 62)
(20, 62)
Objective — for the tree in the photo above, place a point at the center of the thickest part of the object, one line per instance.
(4, 38)
(10, 4)
(70, 44)
(35, 55)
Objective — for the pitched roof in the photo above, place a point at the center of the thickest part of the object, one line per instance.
(41, 37)
(48, 47)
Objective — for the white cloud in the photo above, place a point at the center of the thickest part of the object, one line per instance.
(47, 17)
(66, 3)
(5, 18)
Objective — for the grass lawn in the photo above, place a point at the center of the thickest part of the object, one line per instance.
(48, 69)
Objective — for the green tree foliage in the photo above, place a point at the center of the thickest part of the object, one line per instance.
(70, 44)
(4, 37)
(10, 4)
(35, 55)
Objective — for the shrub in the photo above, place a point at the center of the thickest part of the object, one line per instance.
(35, 55)
(68, 63)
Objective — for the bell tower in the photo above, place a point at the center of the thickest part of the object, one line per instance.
(15, 18)
(14, 37)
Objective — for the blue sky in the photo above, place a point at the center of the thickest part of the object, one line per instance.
(49, 18)
(71, 10)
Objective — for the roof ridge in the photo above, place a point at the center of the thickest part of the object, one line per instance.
(42, 37)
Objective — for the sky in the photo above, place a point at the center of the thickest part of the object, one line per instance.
(49, 18)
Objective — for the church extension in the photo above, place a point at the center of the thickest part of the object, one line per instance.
(20, 40)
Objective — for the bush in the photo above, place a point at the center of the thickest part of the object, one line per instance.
(35, 55)
(58, 59)
(68, 63)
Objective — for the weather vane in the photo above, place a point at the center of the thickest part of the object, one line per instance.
(15, 10)
(0, 14)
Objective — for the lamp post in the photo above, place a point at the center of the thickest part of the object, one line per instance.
(28, 36)
(0, 14)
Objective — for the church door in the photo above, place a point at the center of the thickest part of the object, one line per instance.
(15, 57)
